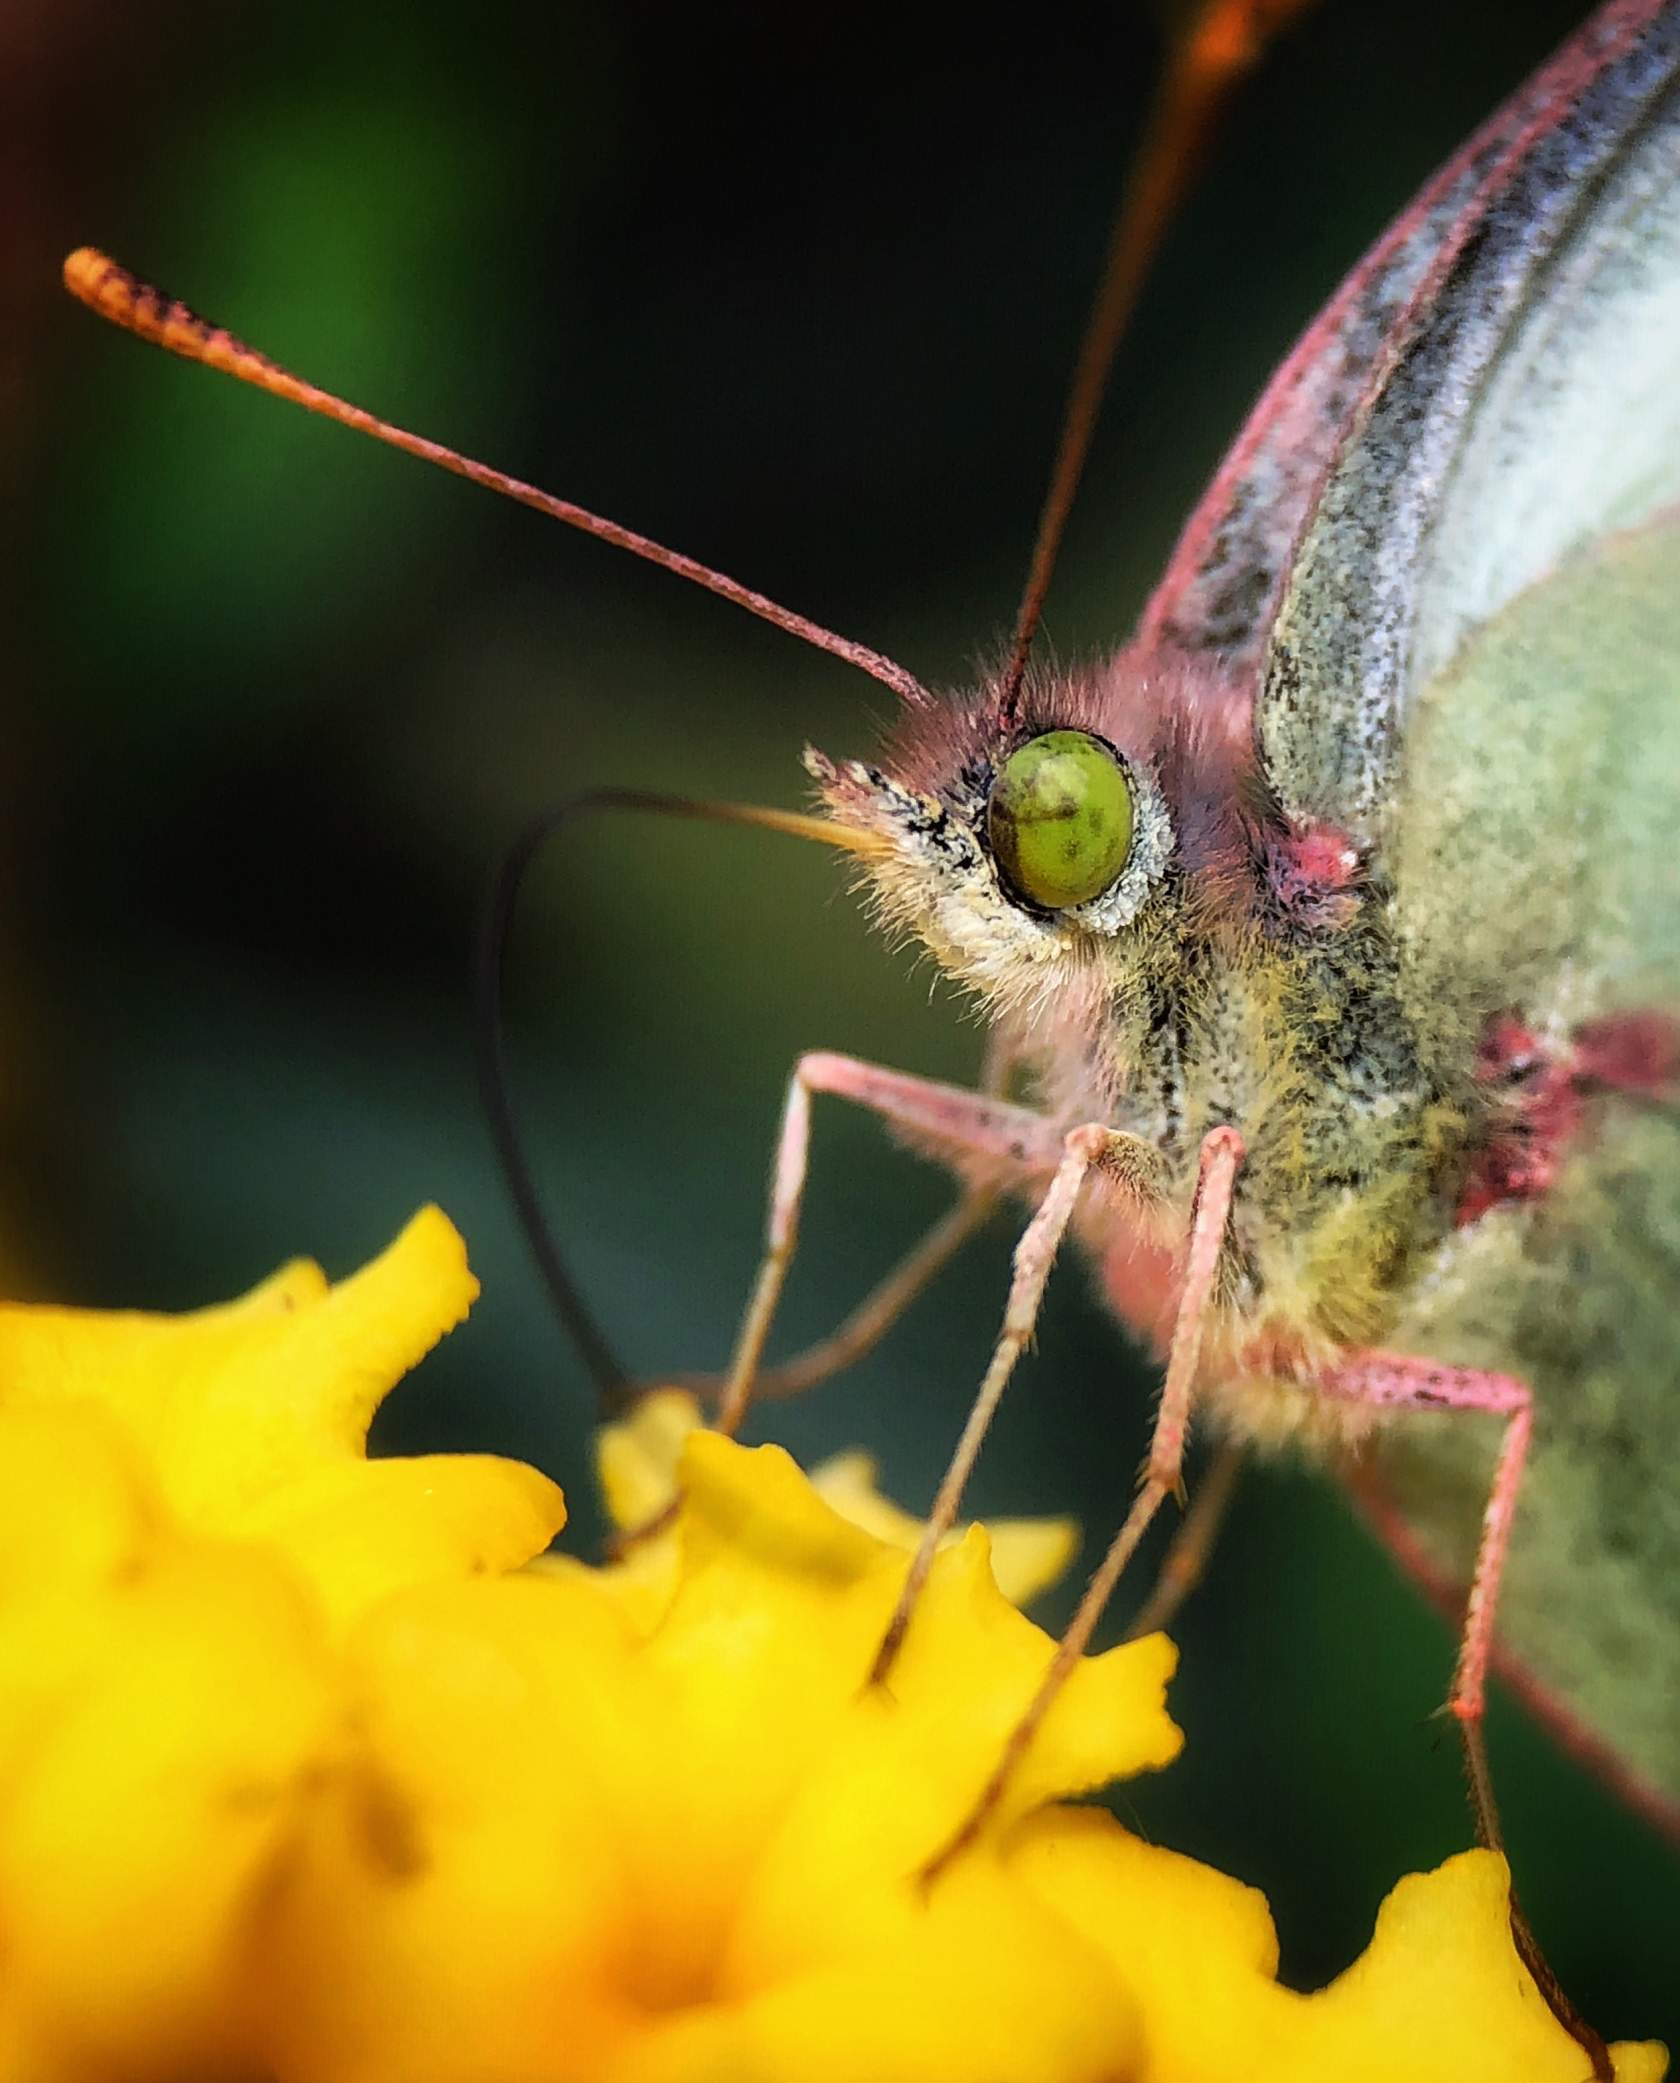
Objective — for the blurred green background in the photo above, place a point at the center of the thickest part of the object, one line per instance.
(795, 289)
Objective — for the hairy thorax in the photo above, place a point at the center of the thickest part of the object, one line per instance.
(1355, 1152)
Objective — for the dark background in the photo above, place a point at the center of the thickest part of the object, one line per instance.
(795, 289)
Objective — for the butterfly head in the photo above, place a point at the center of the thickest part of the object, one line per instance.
(1039, 849)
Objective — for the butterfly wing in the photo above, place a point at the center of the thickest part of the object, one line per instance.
(1525, 402)
(1534, 867)
(1227, 576)
(1412, 552)
(1463, 661)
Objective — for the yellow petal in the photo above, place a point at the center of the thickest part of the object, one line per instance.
(1437, 1997)
(968, 1984)
(460, 1904)
(637, 1461)
(252, 1418)
(141, 1841)
(370, 1527)
(636, 1458)
(234, 1401)
(78, 1523)
(1028, 1555)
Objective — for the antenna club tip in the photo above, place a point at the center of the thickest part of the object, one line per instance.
(95, 279)
(1230, 35)
(113, 292)
(84, 271)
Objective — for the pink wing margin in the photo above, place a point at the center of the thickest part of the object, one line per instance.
(1226, 576)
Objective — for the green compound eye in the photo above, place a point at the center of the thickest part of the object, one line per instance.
(1060, 819)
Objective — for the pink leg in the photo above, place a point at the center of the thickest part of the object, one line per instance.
(993, 1136)
(1396, 1381)
(1004, 1138)
(1124, 1157)
(1187, 1558)
(1219, 1162)
(1221, 1158)
(864, 1327)
(886, 1302)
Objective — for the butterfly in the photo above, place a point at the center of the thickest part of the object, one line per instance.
(1326, 932)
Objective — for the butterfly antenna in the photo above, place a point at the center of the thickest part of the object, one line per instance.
(134, 305)
(1224, 42)
(614, 1384)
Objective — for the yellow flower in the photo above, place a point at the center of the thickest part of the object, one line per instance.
(187, 1523)
(304, 1776)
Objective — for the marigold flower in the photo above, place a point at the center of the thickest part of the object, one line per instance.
(304, 1774)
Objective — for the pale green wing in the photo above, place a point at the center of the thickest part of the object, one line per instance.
(1537, 867)
(1476, 676)
(1525, 403)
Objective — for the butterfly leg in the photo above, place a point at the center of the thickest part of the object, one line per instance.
(1397, 1381)
(946, 1118)
(1187, 1557)
(1221, 1158)
(970, 1128)
(1124, 1158)
(865, 1326)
